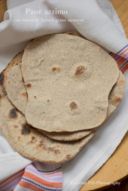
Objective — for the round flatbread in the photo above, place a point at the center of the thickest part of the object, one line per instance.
(68, 81)
(68, 137)
(13, 83)
(29, 142)
(116, 94)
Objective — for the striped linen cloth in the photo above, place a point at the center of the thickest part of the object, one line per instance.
(122, 58)
(31, 179)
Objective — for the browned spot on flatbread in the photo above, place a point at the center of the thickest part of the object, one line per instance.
(121, 82)
(56, 69)
(116, 100)
(33, 139)
(40, 144)
(1, 79)
(29, 85)
(13, 113)
(68, 157)
(80, 70)
(25, 129)
(56, 151)
(49, 149)
(24, 94)
(73, 105)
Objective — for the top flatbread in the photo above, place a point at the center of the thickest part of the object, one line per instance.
(29, 142)
(68, 80)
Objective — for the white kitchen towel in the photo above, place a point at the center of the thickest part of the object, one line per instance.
(10, 162)
(40, 17)
(37, 18)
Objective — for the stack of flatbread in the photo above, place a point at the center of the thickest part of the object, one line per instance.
(56, 94)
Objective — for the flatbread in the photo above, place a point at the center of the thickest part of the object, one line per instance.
(69, 136)
(13, 83)
(116, 94)
(29, 142)
(68, 81)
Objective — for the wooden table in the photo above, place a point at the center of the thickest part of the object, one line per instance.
(122, 9)
(2, 8)
(116, 167)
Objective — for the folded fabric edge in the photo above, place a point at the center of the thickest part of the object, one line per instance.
(122, 58)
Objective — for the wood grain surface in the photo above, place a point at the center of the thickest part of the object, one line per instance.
(2, 8)
(116, 167)
(113, 171)
(122, 9)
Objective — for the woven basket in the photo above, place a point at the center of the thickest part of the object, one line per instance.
(3, 8)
